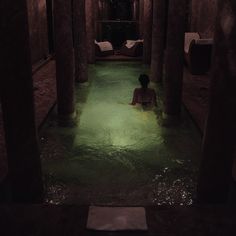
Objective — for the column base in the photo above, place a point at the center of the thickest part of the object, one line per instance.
(170, 120)
(68, 120)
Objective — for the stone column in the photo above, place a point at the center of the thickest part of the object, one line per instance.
(134, 10)
(80, 41)
(96, 17)
(174, 60)
(141, 6)
(100, 16)
(64, 60)
(90, 29)
(147, 31)
(16, 90)
(220, 133)
(158, 39)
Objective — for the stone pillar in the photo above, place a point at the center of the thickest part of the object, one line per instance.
(158, 39)
(100, 17)
(96, 17)
(141, 11)
(147, 31)
(16, 90)
(80, 41)
(90, 29)
(64, 60)
(135, 10)
(220, 133)
(174, 58)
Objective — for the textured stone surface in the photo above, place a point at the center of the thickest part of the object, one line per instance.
(147, 31)
(64, 57)
(17, 104)
(219, 137)
(203, 17)
(90, 29)
(174, 57)
(38, 29)
(80, 41)
(158, 39)
(45, 94)
(141, 11)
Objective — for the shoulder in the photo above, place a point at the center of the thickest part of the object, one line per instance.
(137, 90)
(152, 91)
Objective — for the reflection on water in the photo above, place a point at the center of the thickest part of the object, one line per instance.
(118, 154)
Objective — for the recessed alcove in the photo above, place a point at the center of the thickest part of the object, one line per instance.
(117, 21)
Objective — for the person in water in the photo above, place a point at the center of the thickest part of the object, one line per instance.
(144, 96)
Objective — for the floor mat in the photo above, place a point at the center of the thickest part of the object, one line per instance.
(116, 218)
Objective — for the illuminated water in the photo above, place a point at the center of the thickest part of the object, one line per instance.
(118, 154)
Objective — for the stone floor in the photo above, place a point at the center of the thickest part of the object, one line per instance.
(118, 154)
(71, 220)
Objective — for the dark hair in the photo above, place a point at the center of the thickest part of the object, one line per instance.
(144, 80)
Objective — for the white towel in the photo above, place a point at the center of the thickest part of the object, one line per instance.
(189, 36)
(104, 46)
(131, 43)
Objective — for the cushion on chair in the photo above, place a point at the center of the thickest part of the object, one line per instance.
(204, 41)
(104, 48)
(198, 56)
(132, 48)
(189, 36)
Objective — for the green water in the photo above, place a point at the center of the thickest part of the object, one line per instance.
(118, 154)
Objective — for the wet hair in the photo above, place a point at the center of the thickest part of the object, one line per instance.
(144, 80)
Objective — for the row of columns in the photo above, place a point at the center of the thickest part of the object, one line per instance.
(164, 42)
(74, 49)
(218, 149)
(24, 179)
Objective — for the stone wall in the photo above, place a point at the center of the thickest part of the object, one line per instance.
(3, 161)
(203, 17)
(37, 13)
